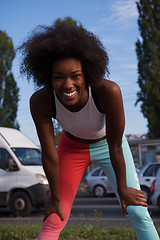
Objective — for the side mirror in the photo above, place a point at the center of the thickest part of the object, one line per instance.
(12, 165)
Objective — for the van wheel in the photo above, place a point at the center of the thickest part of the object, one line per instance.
(99, 191)
(20, 204)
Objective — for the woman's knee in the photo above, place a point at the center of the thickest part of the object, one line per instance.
(53, 222)
(139, 213)
(51, 228)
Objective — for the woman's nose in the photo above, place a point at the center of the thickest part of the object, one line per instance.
(68, 83)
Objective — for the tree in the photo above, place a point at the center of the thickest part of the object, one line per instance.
(9, 92)
(67, 20)
(148, 54)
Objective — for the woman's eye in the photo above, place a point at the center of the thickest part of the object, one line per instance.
(58, 77)
(77, 76)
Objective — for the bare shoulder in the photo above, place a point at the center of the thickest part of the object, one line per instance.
(108, 87)
(41, 102)
(40, 95)
(107, 92)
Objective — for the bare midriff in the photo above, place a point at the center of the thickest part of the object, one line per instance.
(89, 141)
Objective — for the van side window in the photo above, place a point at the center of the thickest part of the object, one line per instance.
(5, 159)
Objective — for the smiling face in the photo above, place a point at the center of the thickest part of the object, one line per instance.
(69, 83)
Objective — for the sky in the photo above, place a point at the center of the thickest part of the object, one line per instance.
(113, 21)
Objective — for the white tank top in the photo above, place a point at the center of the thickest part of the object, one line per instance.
(88, 123)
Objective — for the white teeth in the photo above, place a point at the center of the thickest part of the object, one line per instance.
(69, 94)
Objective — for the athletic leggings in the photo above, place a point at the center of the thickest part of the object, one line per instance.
(74, 158)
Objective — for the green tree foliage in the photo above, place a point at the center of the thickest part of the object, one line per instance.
(67, 20)
(148, 54)
(9, 92)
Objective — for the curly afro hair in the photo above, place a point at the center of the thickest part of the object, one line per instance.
(48, 44)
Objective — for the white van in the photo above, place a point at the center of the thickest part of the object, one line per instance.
(23, 184)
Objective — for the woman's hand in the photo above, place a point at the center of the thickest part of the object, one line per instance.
(53, 206)
(132, 196)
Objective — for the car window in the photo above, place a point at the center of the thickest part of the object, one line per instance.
(151, 170)
(5, 158)
(103, 174)
(96, 172)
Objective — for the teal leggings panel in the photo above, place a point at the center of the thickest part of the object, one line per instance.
(137, 215)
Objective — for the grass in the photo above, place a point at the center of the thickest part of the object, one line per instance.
(82, 232)
(19, 232)
(96, 232)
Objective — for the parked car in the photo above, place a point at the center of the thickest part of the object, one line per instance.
(155, 195)
(23, 184)
(146, 177)
(97, 183)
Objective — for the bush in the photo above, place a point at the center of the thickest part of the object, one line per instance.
(19, 232)
(82, 232)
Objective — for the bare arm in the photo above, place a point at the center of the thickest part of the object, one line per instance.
(112, 104)
(40, 106)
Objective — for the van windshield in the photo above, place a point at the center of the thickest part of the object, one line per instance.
(28, 156)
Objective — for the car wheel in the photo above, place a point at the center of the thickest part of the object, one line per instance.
(20, 204)
(146, 193)
(99, 191)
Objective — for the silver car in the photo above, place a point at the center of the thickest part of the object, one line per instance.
(155, 195)
(146, 177)
(97, 183)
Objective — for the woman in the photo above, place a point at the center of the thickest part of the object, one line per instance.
(70, 63)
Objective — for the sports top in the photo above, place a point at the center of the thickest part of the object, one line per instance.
(88, 123)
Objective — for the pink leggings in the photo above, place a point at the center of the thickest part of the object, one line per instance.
(74, 158)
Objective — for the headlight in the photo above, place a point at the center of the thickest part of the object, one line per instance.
(42, 179)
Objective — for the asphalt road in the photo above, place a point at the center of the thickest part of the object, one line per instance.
(86, 210)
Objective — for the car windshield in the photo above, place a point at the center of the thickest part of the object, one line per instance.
(28, 156)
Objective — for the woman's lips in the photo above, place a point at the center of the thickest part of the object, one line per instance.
(70, 94)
